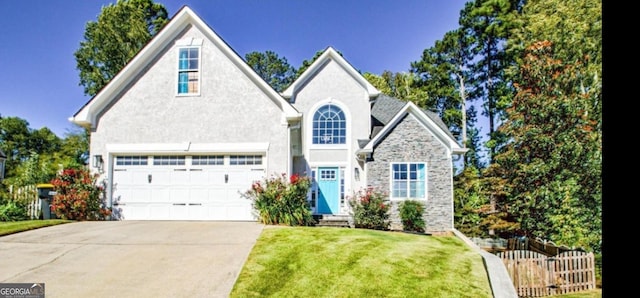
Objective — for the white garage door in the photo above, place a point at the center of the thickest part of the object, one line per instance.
(177, 187)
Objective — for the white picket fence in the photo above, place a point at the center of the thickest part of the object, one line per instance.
(28, 194)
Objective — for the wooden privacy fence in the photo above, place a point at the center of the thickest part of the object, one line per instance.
(536, 275)
(29, 195)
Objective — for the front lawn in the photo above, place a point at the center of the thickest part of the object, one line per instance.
(338, 262)
(10, 227)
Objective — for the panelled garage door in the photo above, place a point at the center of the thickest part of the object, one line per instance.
(179, 187)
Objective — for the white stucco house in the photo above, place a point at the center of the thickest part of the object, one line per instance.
(187, 126)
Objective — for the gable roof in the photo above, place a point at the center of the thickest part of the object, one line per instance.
(86, 116)
(327, 55)
(2, 155)
(387, 105)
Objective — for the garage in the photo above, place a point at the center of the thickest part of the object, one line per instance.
(184, 187)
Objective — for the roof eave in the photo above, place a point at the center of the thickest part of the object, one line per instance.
(330, 53)
(87, 114)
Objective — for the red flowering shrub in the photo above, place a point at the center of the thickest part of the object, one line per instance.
(77, 196)
(370, 211)
(279, 200)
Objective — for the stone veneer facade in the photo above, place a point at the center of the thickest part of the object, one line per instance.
(410, 141)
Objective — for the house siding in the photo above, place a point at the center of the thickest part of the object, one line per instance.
(335, 83)
(410, 141)
(229, 109)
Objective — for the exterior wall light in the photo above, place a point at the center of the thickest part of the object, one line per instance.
(97, 162)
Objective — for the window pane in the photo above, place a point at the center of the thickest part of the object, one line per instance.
(193, 53)
(400, 189)
(193, 64)
(419, 186)
(184, 58)
(329, 126)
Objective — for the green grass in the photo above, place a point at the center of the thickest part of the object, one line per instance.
(337, 262)
(327, 262)
(11, 227)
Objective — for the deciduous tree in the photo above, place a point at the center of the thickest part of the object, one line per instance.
(110, 42)
(552, 162)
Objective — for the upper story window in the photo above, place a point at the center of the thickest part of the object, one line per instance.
(189, 70)
(329, 126)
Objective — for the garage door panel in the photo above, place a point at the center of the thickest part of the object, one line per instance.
(179, 211)
(179, 177)
(135, 212)
(179, 194)
(217, 194)
(215, 177)
(199, 177)
(159, 194)
(159, 211)
(237, 212)
(137, 177)
(159, 176)
(216, 212)
(183, 192)
(239, 177)
(199, 195)
(197, 212)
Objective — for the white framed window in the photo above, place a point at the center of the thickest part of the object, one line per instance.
(408, 180)
(238, 160)
(329, 125)
(189, 71)
(207, 160)
(328, 174)
(169, 160)
(134, 160)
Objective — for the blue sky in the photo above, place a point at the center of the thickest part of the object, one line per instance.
(39, 79)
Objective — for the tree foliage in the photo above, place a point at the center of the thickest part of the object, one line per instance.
(444, 75)
(111, 41)
(486, 24)
(552, 162)
(35, 155)
(275, 70)
(14, 141)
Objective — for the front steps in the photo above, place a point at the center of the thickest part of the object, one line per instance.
(331, 220)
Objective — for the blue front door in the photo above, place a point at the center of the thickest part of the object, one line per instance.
(328, 190)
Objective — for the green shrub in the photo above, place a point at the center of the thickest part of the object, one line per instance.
(77, 196)
(370, 211)
(411, 216)
(12, 211)
(279, 200)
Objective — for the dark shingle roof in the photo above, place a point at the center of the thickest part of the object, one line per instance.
(385, 107)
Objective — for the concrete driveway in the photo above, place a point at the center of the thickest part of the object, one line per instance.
(130, 258)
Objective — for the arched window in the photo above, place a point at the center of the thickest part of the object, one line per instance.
(329, 125)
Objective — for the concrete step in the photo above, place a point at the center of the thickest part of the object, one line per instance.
(330, 220)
